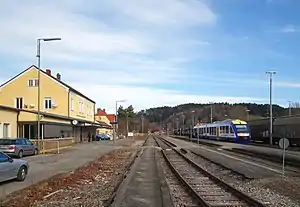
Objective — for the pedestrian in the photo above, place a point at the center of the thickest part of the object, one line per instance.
(89, 137)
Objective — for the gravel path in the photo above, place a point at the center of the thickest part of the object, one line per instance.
(262, 189)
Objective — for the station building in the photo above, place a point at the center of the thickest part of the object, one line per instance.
(65, 112)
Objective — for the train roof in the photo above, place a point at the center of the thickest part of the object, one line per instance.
(226, 121)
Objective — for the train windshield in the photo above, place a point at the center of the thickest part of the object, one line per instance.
(241, 128)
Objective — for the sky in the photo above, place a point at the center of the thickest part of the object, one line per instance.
(158, 52)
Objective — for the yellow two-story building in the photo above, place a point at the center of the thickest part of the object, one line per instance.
(65, 112)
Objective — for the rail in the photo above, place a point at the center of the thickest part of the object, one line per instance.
(217, 191)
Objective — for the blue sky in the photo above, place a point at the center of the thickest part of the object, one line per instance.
(154, 52)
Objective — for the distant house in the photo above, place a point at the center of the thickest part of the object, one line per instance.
(104, 119)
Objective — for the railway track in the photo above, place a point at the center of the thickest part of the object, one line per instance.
(207, 189)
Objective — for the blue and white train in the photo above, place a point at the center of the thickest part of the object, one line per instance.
(230, 130)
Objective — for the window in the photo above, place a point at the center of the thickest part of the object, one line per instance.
(48, 103)
(33, 82)
(27, 142)
(19, 103)
(5, 130)
(81, 107)
(72, 104)
(3, 157)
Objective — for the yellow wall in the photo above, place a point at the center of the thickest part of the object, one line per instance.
(88, 110)
(50, 88)
(103, 130)
(28, 116)
(8, 117)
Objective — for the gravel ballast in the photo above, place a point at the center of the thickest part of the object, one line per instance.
(271, 191)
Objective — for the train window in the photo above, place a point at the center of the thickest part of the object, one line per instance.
(231, 130)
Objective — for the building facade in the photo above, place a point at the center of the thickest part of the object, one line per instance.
(65, 112)
(104, 119)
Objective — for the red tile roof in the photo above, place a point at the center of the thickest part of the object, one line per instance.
(101, 112)
(111, 117)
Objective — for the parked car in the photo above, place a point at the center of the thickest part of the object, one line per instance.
(12, 168)
(102, 137)
(18, 147)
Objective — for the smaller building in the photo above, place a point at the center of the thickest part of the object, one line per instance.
(104, 120)
(8, 122)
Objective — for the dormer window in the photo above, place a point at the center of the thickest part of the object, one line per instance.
(33, 82)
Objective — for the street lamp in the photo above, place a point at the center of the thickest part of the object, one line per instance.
(116, 119)
(38, 55)
(271, 73)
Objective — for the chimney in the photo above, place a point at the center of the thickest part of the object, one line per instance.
(104, 110)
(48, 71)
(58, 76)
(98, 110)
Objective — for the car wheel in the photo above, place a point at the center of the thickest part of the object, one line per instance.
(20, 154)
(36, 152)
(22, 173)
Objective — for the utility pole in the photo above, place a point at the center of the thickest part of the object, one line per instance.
(271, 73)
(191, 133)
(290, 108)
(211, 114)
(248, 111)
(142, 123)
(127, 130)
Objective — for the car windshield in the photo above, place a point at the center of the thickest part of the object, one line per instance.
(241, 128)
(7, 141)
(3, 157)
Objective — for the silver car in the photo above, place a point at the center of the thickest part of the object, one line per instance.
(12, 168)
(17, 147)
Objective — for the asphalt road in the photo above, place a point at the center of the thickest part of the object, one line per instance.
(45, 166)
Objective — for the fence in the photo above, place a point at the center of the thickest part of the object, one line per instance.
(54, 145)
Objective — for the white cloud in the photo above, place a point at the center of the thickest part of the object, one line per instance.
(287, 84)
(289, 29)
(111, 44)
(167, 12)
(145, 97)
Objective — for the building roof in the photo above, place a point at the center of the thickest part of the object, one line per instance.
(55, 79)
(102, 112)
(111, 117)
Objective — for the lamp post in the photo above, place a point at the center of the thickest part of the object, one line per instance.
(271, 73)
(116, 120)
(38, 55)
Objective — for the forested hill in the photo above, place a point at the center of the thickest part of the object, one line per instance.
(160, 117)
